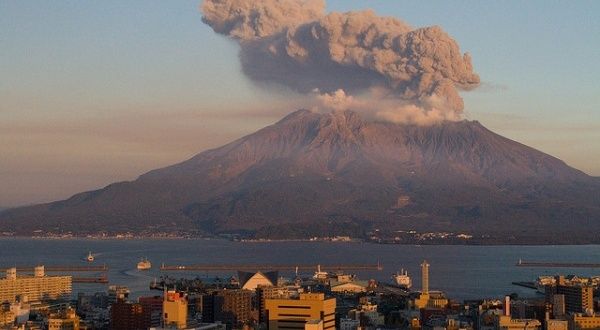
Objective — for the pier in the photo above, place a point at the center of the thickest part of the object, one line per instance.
(264, 267)
(522, 263)
(29, 269)
(90, 280)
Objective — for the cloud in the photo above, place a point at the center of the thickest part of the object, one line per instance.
(294, 43)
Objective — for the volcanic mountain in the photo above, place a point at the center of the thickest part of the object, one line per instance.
(313, 174)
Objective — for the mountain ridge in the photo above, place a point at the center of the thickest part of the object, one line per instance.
(336, 173)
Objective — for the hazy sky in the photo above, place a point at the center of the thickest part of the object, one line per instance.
(102, 91)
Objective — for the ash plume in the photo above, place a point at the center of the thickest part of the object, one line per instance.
(415, 73)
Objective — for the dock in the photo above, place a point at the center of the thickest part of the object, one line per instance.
(28, 269)
(254, 268)
(522, 263)
(529, 285)
(89, 280)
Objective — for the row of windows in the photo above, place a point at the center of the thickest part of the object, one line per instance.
(295, 315)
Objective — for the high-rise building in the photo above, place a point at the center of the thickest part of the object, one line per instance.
(35, 288)
(294, 313)
(233, 307)
(558, 305)
(153, 309)
(175, 310)
(237, 307)
(269, 292)
(578, 298)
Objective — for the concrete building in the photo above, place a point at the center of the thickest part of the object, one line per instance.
(65, 320)
(313, 325)
(558, 305)
(36, 288)
(128, 315)
(504, 321)
(578, 321)
(578, 297)
(175, 310)
(269, 292)
(236, 307)
(349, 324)
(367, 313)
(233, 307)
(7, 317)
(294, 313)
(152, 308)
(552, 324)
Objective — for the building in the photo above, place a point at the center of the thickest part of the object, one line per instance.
(348, 287)
(7, 317)
(426, 298)
(117, 293)
(153, 309)
(65, 320)
(504, 321)
(313, 325)
(175, 310)
(349, 324)
(552, 324)
(250, 281)
(578, 296)
(269, 292)
(236, 308)
(36, 288)
(367, 315)
(558, 305)
(294, 313)
(128, 315)
(579, 321)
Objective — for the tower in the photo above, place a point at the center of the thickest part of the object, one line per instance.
(425, 278)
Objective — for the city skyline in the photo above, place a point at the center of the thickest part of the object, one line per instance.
(98, 93)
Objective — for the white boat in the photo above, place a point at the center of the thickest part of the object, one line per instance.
(90, 257)
(402, 279)
(144, 264)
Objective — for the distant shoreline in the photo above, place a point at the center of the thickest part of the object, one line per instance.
(261, 241)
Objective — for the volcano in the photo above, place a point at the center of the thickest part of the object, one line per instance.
(315, 174)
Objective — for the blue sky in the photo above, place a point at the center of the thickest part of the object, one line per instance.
(96, 92)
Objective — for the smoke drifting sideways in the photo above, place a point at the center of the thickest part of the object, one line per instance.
(355, 60)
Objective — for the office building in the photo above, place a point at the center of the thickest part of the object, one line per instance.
(294, 313)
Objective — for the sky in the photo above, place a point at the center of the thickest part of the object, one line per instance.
(97, 92)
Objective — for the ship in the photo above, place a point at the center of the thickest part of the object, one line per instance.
(402, 279)
(144, 264)
(320, 275)
(90, 257)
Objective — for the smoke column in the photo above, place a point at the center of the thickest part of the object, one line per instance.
(357, 60)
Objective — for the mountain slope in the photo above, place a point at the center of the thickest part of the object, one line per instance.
(338, 174)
